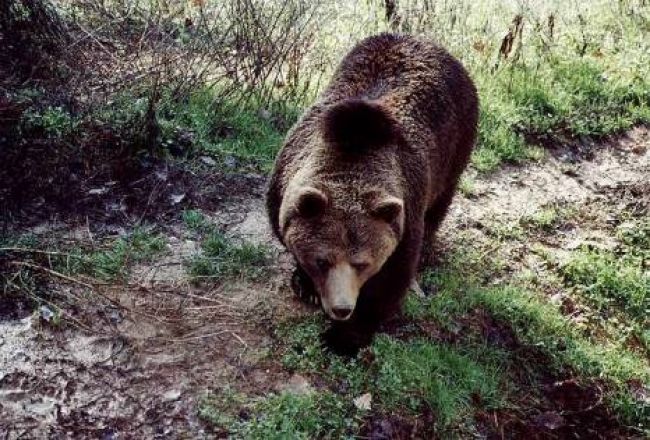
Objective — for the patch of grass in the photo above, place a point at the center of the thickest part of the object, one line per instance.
(113, 261)
(318, 414)
(609, 281)
(635, 240)
(220, 408)
(195, 220)
(416, 372)
(315, 415)
(497, 141)
(547, 218)
(547, 101)
(109, 261)
(224, 258)
(541, 326)
(466, 186)
(505, 231)
(303, 351)
(234, 134)
(402, 376)
(52, 121)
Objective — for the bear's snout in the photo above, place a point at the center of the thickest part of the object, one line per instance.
(342, 313)
(340, 292)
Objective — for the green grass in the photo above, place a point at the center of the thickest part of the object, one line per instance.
(234, 134)
(320, 414)
(194, 220)
(222, 258)
(547, 218)
(403, 376)
(610, 281)
(540, 325)
(113, 260)
(467, 186)
(110, 260)
(418, 372)
(316, 415)
(535, 104)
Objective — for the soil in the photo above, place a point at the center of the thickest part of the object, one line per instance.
(139, 356)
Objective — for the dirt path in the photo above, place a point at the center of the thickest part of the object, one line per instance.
(141, 370)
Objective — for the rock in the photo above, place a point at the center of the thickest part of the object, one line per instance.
(230, 161)
(549, 420)
(208, 160)
(177, 198)
(46, 313)
(171, 395)
(97, 191)
(363, 402)
(297, 384)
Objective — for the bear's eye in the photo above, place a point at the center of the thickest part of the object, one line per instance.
(322, 264)
(360, 267)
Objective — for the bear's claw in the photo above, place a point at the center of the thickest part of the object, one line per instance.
(303, 287)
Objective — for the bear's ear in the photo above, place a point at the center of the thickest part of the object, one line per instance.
(306, 202)
(356, 125)
(311, 202)
(391, 210)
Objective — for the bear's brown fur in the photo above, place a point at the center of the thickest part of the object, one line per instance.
(367, 175)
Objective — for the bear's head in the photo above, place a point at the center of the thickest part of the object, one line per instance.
(342, 232)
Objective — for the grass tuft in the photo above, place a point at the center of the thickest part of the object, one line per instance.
(222, 257)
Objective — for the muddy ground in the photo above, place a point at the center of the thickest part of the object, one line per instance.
(140, 354)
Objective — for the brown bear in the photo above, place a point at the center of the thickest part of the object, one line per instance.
(366, 176)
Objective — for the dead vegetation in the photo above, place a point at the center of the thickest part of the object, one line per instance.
(91, 108)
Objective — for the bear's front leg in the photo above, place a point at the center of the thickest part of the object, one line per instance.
(303, 286)
(346, 338)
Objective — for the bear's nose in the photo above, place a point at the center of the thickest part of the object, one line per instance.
(342, 312)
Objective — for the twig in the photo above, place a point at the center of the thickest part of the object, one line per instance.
(37, 251)
(236, 336)
(92, 289)
(192, 338)
(52, 272)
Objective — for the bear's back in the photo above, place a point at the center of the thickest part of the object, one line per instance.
(425, 88)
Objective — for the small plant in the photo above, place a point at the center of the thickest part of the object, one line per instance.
(194, 220)
(420, 372)
(114, 261)
(609, 281)
(293, 416)
(547, 218)
(224, 258)
(54, 121)
(466, 187)
(543, 219)
(318, 414)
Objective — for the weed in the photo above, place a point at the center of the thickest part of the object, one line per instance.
(195, 220)
(536, 324)
(316, 415)
(53, 121)
(466, 186)
(303, 351)
(235, 135)
(608, 281)
(114, 261)
(223, 258)
(220, 408)
(420, 372)
(547, 218)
